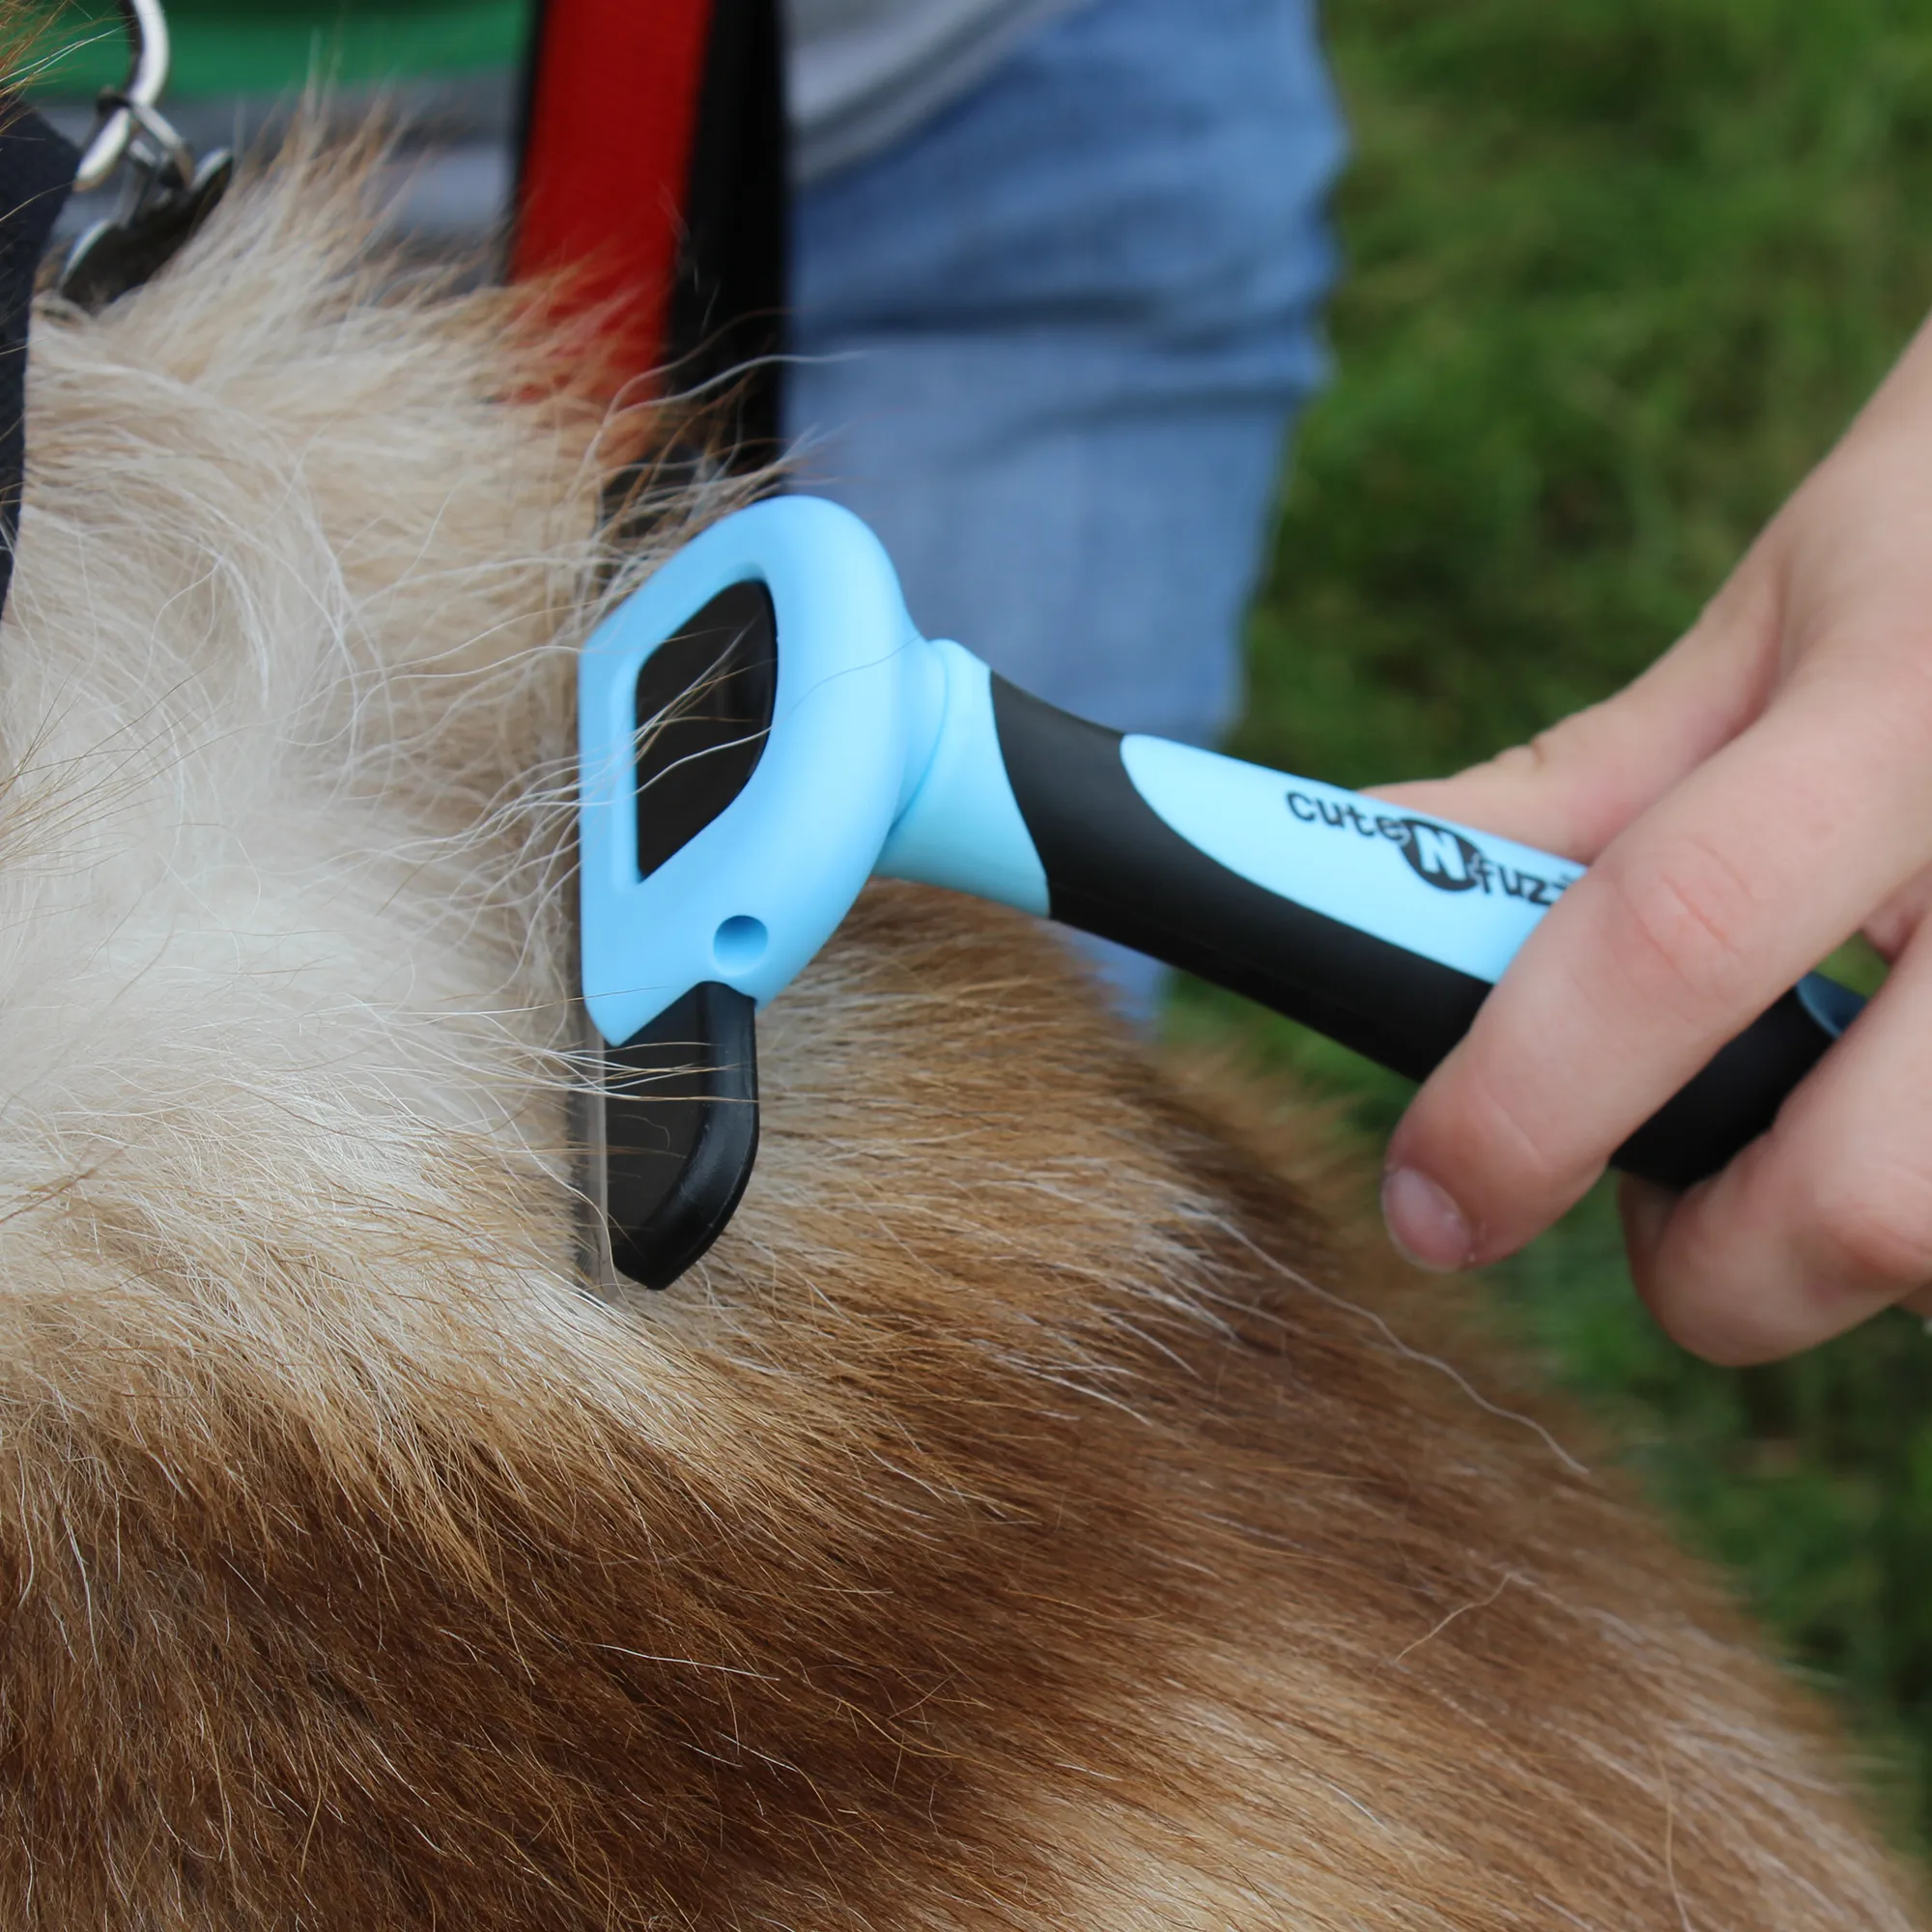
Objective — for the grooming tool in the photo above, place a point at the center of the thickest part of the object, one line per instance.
(761, 729)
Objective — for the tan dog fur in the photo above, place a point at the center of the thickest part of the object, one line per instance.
(1033, 1515)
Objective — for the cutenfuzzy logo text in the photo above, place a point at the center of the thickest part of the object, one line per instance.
(1438, 855)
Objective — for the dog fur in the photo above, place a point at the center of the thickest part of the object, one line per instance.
(1039, 1511)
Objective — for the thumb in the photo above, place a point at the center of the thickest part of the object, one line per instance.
(1575, 786)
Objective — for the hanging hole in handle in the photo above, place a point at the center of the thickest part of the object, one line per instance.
(739, 943)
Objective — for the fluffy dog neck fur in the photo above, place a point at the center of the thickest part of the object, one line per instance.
(1022, 1520)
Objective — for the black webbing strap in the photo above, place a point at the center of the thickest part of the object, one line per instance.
(37, 168)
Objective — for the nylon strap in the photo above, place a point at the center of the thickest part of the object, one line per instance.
(37, 168)
(613, 99)
(653, 177)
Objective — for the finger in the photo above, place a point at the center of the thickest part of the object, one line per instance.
(1826, 1219)
(1692, 923)
(1573, 787)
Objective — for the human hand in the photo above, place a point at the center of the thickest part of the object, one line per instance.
(1759, 795)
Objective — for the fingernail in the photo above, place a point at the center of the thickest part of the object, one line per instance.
(1425, 1225)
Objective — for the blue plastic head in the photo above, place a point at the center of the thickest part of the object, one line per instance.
(752, 897)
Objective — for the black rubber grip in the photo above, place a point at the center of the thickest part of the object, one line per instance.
(1115, 868)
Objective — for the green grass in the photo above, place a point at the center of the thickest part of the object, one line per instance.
(1619, 272)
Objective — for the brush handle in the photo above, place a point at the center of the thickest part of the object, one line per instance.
(1383, 930)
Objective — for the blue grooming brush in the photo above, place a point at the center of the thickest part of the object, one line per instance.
(761, 729)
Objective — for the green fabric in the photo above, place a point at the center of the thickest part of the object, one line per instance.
(232, 47)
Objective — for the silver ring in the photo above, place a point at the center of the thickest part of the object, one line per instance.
(147, 75)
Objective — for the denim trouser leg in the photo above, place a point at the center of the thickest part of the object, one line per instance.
(1051, 345)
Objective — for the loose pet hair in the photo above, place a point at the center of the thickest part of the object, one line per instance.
(1041, 1510)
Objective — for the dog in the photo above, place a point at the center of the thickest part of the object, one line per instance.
(1042, 1509)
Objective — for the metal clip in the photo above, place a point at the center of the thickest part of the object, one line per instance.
(167, 196)
(147, 75)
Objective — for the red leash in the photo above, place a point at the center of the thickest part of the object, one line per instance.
(612, 111)
(653, 175)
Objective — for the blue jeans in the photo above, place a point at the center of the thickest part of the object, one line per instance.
(1051, 345)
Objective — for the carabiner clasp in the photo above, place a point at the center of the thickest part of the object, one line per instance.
(167, 194)
(132, 104)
